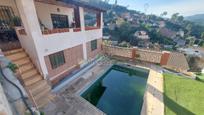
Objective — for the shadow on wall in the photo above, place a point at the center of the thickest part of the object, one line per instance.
(168, 102)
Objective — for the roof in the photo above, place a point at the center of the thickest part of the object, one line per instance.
(83, 4)
(177, 61)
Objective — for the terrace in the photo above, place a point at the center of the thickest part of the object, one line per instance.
(68, 99)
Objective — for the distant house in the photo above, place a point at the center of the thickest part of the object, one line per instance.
(112, 26)
(142, 38)
(168, 33)
(126, 15)
(162, 24)
(180, 42)
(180, 33)
(142, 35)
(168, 46)
(106, 37)
(195, 51)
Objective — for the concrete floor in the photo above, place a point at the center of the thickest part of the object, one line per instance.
(68, 101)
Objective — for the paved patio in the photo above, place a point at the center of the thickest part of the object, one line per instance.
(68, 101)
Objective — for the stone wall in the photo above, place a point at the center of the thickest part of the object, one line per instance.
(171, 60)
(118, 51)
(133, 53)
(148, 55)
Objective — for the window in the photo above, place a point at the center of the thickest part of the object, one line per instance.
(59, 21)
(93, 45)
(57, 59)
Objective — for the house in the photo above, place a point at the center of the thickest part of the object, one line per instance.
(142, 38)
(142, 35)
(181, 33)
(180, 42)
(161, 24)
(55, 41)
(167, 33)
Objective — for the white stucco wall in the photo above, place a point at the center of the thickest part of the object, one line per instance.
(44, 12)
(10, 3)
(28, 45)
(38, 45)
(57, 42)
(31, 24)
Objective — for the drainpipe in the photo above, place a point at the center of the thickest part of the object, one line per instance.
(21, 93)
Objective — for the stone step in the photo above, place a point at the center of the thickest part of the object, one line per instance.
(42, 102)
(32, 80)
(26, 67)
(42, 94)
(13, 51)
(22, 61)
(29, 73)
(17, 56)
(38, 87)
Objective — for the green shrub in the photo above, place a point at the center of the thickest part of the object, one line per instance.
(13, 67)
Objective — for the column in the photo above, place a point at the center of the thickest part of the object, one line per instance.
(34, 35)
(82, 22)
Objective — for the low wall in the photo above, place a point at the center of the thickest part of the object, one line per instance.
(133, 53)
(149, 56)
(118, 51)
(172, 60)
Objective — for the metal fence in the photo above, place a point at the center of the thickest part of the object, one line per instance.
(7, 21)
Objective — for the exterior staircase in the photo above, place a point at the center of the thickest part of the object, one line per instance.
(38, 89)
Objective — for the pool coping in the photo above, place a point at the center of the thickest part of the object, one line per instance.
(127, 65)
(81, 91)
(153, 103)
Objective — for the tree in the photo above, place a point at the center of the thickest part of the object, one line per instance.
(189, 28)
(174, 17)
(180, 18)
(164, 13)
(202, 36)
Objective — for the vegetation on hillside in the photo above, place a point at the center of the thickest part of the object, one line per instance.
(125, 31)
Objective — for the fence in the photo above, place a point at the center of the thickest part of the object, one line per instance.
(171, 60)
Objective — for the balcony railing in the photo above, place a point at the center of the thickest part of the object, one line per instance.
(91, 28)
(60, 30)
(53, 31)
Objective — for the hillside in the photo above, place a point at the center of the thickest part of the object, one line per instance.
(198, 18)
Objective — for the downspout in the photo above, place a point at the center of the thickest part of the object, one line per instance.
(21, 93)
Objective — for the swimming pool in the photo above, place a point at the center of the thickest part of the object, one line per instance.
(119, 91)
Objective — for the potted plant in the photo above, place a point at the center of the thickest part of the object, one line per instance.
(16, 21)
(13, 67)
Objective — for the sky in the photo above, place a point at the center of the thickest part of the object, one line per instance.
(184, 7)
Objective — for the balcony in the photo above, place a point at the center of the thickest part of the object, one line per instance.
(59, 17)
